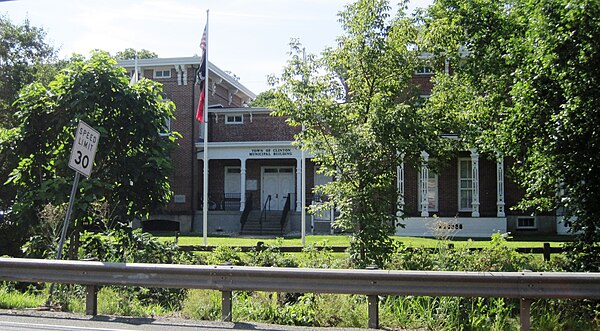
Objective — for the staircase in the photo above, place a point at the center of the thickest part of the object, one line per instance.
(271, 224)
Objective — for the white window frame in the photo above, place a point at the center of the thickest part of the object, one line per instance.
(424, 70)
(431, 189)
(233, 119)
(461, 189)
(162, 72)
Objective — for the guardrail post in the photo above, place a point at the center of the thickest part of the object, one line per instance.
(373, 302)
(226, 306)
(91, 300)
(373, 311)
(525, 314)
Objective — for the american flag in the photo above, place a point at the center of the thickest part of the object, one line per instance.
(203, 40)
(201, 78)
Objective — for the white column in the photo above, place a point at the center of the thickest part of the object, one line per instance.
(475, 176)
(500, 185)
(400, 183)
(178, 70)
(242, 184)
(299, 171)
(424, 186)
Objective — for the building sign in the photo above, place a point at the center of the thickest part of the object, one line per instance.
(270, 152)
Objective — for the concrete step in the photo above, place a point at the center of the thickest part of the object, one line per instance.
(270, 223)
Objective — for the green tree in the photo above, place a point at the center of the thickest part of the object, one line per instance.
(130, 53)
(25, 57)
(264, 99)
(527, 85)
(360, 115)
(132, 164)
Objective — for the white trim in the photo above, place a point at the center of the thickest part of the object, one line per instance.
(237, 150)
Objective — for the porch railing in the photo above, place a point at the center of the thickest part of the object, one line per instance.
(224, 201)
(263, 213)
(247, 210)
(285, 212)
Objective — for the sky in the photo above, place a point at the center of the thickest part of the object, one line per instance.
(249, 38)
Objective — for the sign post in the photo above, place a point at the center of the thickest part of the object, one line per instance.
(82, 159)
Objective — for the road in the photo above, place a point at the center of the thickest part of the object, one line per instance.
(18, 320)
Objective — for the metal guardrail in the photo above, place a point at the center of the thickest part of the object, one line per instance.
(526, 286)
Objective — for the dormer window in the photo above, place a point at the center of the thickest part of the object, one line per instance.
(234, 119)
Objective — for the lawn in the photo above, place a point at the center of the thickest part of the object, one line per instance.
(344, 240)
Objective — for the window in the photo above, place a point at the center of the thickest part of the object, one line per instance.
(432, 191)
(465, 185)
(234, 119)
(526, 223)
(166, 130)
(424, 70)
(162, 73)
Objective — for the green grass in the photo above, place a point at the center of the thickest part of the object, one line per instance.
(344, 240)
(14, 299)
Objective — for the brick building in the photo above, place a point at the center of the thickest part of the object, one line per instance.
(255, 173)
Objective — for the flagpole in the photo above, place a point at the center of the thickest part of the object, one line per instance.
(205, 162)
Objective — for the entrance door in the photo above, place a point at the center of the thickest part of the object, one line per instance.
(277, 182)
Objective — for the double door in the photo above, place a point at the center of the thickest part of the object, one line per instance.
(277, 182)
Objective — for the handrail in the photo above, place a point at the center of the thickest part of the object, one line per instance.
(523, 285)
(284, 214)
(263, 213)
(246, 212)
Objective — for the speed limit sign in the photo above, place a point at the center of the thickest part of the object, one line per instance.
(84, 149)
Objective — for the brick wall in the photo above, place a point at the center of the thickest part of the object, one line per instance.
(185, 98)
(258, 127)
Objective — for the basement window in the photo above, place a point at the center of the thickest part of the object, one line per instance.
(424, 70)
(526, 223)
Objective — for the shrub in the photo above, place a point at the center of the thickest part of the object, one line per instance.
(271, 256)
(126, 245)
